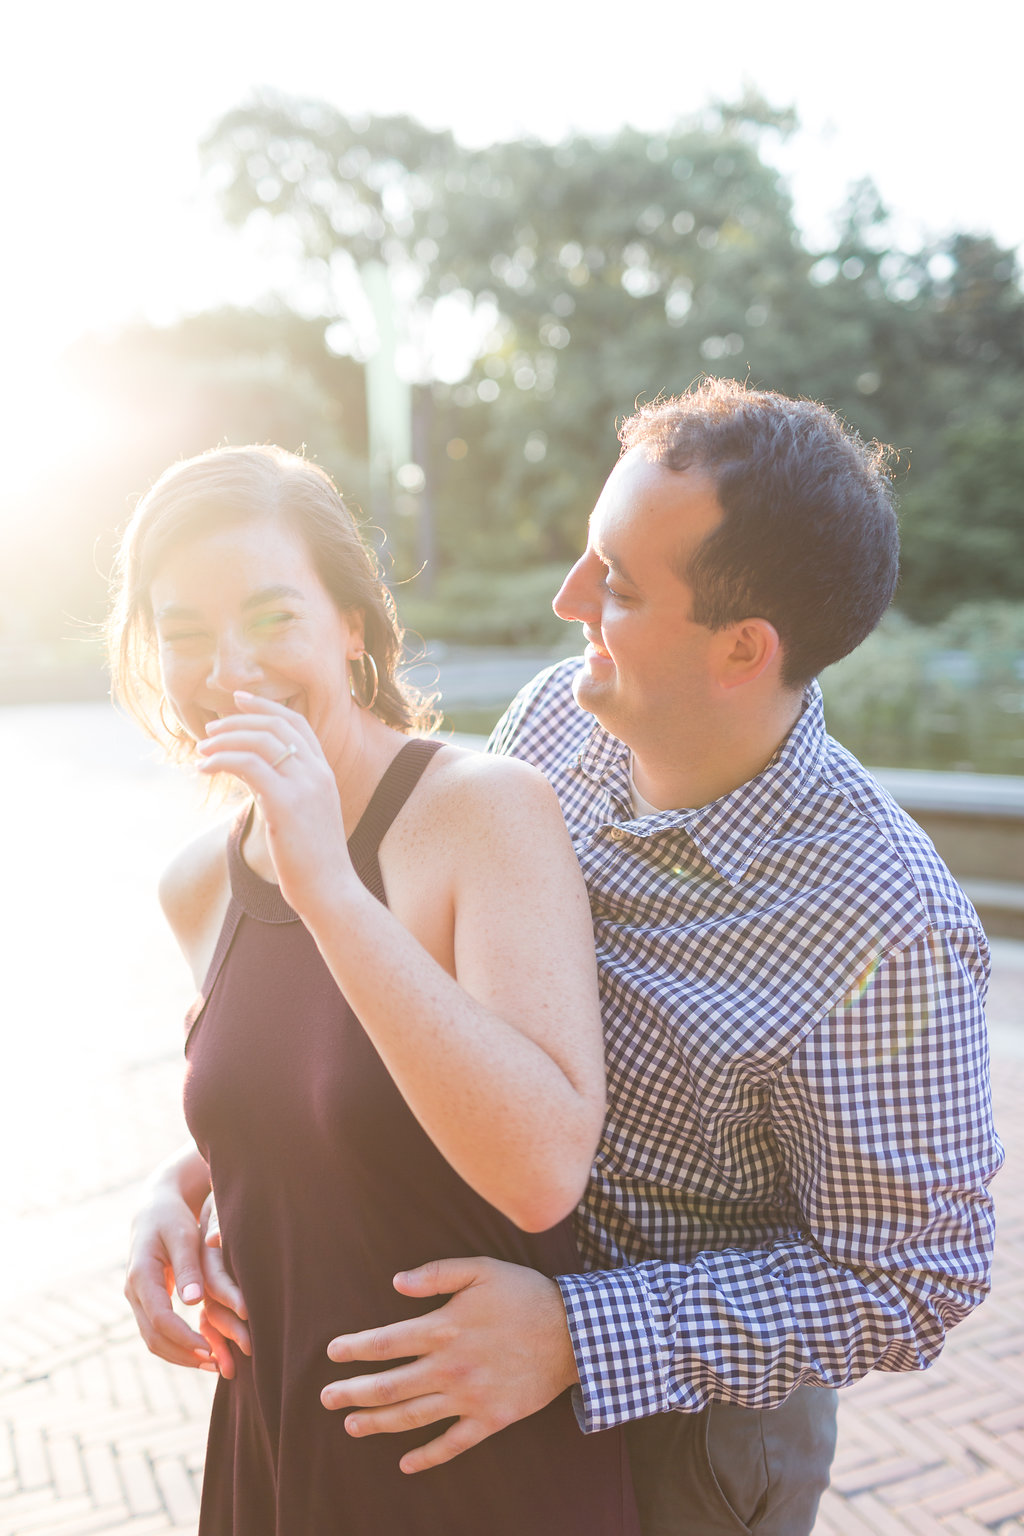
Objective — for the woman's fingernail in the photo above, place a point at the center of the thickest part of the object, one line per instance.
(191, 1292)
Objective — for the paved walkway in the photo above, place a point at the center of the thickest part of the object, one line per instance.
(97, 1436)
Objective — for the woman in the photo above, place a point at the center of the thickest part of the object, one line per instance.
(395, 1051)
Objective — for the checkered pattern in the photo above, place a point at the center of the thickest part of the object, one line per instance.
(792, 1182)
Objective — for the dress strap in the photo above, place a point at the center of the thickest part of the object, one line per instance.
(394, 789)
(250, 894)
(232, 918)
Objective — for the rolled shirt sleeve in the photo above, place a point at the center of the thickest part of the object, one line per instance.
(883, 1127)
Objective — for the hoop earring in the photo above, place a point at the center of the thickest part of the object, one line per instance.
(370, 673)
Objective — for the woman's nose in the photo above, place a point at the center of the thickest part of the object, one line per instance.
(234, 665)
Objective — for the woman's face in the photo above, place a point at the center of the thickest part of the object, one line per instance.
(243, 607)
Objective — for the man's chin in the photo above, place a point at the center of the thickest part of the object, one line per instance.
(588, 691)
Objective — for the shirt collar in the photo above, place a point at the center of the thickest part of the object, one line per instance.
(730, 830)
(599, 754)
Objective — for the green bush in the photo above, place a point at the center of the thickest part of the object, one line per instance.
(949, 695)
(470, 608)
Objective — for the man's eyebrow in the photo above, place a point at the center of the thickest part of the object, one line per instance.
(614, 564)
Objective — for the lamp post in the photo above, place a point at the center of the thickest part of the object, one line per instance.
(388, 398)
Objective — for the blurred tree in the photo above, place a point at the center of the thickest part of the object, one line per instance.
(231, 375)
(978, 307)
(963, 510)
(352, 188)
(158, 394)
(574, 278)
(594, 271)
(963, 531)
(686, 253)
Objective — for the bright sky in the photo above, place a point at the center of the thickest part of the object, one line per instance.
(103, 105)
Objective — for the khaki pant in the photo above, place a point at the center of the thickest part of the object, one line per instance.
(728, 1470)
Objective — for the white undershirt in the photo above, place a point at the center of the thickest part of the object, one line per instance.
(642, 807)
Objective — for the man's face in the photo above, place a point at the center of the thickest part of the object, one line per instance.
(647, 667)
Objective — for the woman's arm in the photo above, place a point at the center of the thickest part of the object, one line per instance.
(503, 1066)
(167, 1250)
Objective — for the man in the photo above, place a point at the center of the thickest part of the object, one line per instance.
(791, 1188)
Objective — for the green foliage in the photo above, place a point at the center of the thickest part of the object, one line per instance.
(510, 608)
(963, 531)
(230, 376)
(946, 696)
(588, 274)
(350, 186)
(605, 270)
(600, 301)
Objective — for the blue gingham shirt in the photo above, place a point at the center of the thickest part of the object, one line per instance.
(792, 1181)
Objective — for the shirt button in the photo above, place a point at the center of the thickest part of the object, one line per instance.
(616, 834)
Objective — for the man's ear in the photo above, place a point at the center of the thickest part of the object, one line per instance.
(749, 648)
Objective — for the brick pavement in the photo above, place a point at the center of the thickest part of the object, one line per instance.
(98, 1436)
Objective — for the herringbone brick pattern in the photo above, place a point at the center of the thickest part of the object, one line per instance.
(941, 1453)
(97, 1436)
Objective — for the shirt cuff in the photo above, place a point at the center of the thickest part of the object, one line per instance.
(622, 1362)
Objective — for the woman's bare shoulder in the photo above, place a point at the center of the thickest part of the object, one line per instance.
(476, 790)
(476, 826)
(461, 770)
(195, 884)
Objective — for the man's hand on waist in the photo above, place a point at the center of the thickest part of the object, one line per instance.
(496, 1352)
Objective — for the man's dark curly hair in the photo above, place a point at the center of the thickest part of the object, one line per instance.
(809, 538)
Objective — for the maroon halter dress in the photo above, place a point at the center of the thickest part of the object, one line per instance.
(326, 1187)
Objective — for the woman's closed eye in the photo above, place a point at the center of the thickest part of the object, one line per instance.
(268, 622)
(181, 639)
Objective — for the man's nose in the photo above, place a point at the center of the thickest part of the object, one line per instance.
(576, 600)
